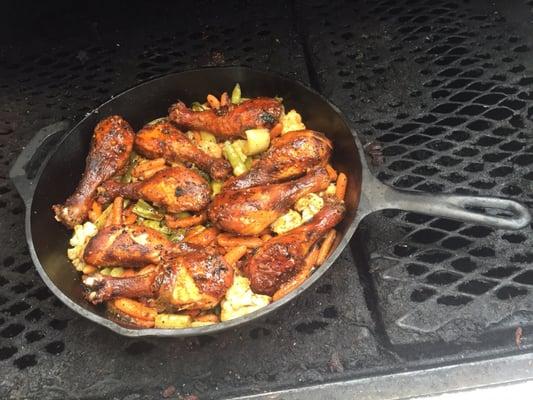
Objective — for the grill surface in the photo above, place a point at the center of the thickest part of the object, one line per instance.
(445, 87)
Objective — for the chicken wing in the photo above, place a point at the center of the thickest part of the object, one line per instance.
(194, 280)
(279, 259)
(176, 189)
(289, 156)
(132, 246)
(162, 139)
(250, 211)
(229, 121)
(111, 146)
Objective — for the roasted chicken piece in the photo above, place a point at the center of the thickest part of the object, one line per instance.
(195, 279)
(282, 257)
(132, 246)
(250, 211)
(176, 189)
(289, 156)
(229, 121)
(162, 139)
(111, 146)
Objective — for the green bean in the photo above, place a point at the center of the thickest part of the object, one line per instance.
(126, 178)
(234, 159)
(145, 210)
(101, 220)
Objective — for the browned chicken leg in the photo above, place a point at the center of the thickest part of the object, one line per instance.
(162, 139)
(111, 146)
(132, 246)
(176, 189)
(289, 156)
(194, 280)
(229, 121)
(279, 259)
(250, 211)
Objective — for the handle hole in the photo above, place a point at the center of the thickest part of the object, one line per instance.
(492, 211)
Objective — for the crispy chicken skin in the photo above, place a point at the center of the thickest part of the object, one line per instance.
(132, 246)
(229, 121)
(195, 279)
(176, 189)
(111, 146)
(289, 156)
(250, 211)
(163, 139)
(279, 259)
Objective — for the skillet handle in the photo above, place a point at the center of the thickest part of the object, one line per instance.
(490, 211)
(30, 159)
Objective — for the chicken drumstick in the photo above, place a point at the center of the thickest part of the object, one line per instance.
(229, 121)
(111, 146)
(176, 189)
(289, 156)
(162, 139)
(250, 211)
(279, 259)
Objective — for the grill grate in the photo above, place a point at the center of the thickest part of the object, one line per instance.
(445, 88)
(456, 92)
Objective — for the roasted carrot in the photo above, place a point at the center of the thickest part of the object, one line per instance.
(192, 313)
(235, 254)
(176, 223)
(116, 211)
(310, 262)
(342, 181)
(128, 216)
(203, 238)
(228, 240)
(213, 101)
(96, 211)
(135, 308)
(276, 130)
(197, 137)
(266, 237)
(325, 247)
(89, 269)
(224, 99)
(140, 169)
(207, 318)
(331, 172)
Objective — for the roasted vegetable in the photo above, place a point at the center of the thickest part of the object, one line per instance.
(236, 94)
(145, 210)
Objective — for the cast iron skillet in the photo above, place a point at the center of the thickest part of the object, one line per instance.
(61, 171)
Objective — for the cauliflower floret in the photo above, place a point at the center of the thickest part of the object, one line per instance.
(240, 300)
(292, 121)
(331, 189)
(286, 222)
(82, 235)
(309, 205)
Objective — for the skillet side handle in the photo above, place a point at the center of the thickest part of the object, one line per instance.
(18, 173)
(490, 211)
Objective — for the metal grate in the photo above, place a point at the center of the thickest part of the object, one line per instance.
(444, 86)
(455, 87)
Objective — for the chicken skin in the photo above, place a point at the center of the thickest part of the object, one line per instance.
(163, 139)
(195, 279)
(250, 211)
(229, 121)
(289, 156)
(176, 189)
(132, 246)
(111, 146)
(282, 257)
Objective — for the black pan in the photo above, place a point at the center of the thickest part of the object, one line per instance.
(61, 171)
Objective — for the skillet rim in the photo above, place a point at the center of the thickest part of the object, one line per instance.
(221, 326)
